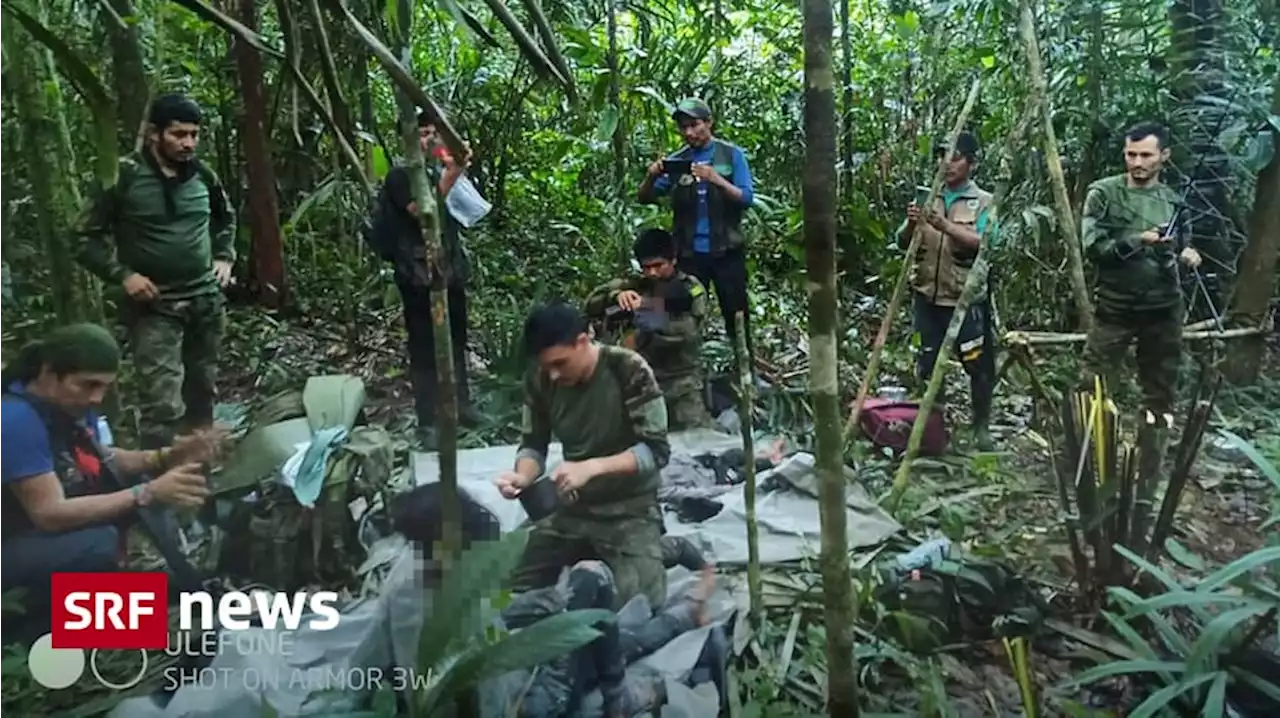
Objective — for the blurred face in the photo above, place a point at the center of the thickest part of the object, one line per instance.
(958, 168)
(569, 365)
(176, 143)
(77, 392)
(428, 138)
(1143, 159)
(658, 268)
(696, 133)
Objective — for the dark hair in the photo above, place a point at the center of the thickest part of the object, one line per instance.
(1146, 129)
(419, 515)
(556, 324)
(966, 146)
(66, 350)
(168, 109)
(654, 244)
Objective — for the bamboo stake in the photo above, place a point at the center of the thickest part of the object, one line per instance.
(1066, 216)
(899, 290)
(747, 391)
(1052, 338)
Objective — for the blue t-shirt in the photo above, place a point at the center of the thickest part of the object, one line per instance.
(741, 179)
(25, 450)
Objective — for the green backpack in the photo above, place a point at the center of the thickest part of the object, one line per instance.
(961, 598)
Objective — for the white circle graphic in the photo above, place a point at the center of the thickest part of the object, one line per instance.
(142, 672)
(54, 668)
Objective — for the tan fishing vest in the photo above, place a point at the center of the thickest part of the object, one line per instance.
(942, 263)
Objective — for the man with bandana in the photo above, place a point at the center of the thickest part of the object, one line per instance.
(173, 233)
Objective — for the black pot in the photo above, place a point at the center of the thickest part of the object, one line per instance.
(541, 499)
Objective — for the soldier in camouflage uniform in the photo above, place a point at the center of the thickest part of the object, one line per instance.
(174, 236)
(669, 307)
(604, 405)
(1127, 232)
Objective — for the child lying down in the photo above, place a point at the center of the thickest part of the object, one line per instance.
(601, 679)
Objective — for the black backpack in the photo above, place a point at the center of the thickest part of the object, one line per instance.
(379, 228)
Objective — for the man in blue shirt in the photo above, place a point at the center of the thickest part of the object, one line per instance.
(709, 183)
(60, 509)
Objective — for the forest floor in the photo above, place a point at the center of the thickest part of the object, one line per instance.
(1003, 503)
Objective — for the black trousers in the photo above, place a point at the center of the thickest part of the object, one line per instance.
(422, 348)
(727, 275)
(975, 347)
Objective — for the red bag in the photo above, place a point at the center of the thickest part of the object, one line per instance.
(888, 423)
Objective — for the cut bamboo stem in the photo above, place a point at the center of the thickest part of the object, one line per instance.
(1051, 338)
(1061, 201)
(747, 391)
(900, 289)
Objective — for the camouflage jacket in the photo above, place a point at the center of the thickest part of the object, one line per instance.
(1131, 276)
(672, 343)
(169, 229)
(619, 408)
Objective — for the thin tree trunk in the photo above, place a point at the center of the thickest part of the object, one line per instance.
(846, 122)
(1256, 280)
(746, 388)
(263, 203)
(1062, 202)
(129, 74)
(615, 99)
(28, 73)
(820, 261)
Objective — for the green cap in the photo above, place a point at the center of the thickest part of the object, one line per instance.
(693, 107)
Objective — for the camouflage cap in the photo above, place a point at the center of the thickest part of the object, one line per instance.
(692, 107)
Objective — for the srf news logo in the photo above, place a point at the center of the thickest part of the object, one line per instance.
(131, 610)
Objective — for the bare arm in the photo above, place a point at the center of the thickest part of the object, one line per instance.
(50, 510)
(535, 433)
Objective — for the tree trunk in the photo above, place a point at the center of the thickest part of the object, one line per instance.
(129, 74)
(28, 74)
(262, 203)
(615, 99)
(1255, 282)
(846, 122)
(1066, 215)
(820, 260)
(1203, 111)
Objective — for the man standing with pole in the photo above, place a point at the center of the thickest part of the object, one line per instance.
(710, 187)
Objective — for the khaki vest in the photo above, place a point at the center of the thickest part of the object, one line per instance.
(942, 264)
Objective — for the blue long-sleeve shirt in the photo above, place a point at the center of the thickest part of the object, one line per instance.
(741, 179)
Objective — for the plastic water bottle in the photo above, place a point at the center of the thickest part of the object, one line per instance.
(104, 432)
(929, 553)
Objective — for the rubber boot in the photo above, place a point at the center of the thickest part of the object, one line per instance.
(981, 388)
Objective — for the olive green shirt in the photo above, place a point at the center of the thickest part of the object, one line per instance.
(168, 229)
(618, 408)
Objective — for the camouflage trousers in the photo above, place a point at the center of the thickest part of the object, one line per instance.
(175, 346)
(1158, 335)
(629, 546)
(686, 408)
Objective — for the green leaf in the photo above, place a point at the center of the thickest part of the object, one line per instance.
(1212, 641)
(1163, 697)
(1168, 634)
(1216, 701)
(478, 574)
(544, 641)
(1268, 469)
(1149, 567)
(1122, 668)
(1249, 562)
(1185, 599)
(608, 123)
(1180, 554)
(1264, 686)
(988, 61)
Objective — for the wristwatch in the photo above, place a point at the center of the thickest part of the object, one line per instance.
(142, 494)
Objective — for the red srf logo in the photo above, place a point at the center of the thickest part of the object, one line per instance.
(111, 610)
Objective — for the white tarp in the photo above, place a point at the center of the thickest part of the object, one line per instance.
(382, 631)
